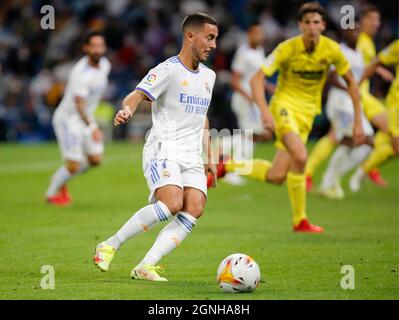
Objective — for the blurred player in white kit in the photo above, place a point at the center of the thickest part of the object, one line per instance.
(79, 138)
(340, 112)
(246, 61)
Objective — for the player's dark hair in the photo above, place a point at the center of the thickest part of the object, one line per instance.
(252, 24)
(368, 8)
(311, 7)
(197, 20)
(90, 34)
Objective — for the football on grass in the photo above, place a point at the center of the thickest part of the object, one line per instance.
(238, 273)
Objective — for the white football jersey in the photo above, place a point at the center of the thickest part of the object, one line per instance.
(355, 59)
(180, 101)
(246, 62)
(87, 82)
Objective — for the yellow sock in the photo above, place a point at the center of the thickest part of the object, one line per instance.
(297, 193)
(320, 152)
(259, 170)
(382, 151)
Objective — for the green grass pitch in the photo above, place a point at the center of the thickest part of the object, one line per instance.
(361, 231)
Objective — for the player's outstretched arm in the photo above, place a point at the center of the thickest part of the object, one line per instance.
(236, 85)
(376, 66)
(353, 90)
(371, 69)
(385, 74)
(129, 107)
(258, 93)
(80, 106)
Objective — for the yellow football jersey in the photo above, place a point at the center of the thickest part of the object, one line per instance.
(302, 75)
(365, 45)
(390, 56)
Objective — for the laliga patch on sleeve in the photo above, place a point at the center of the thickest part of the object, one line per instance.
(151, 78)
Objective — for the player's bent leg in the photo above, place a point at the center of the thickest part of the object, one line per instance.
(281, 164)
(321, 151)
(56, 193)
(330, 186)
(169, 201)
(380, 121)
(171, 196)
(377, 115)
(256, 169)
(168, 196)
(297, 151)
(171, 236)
(383, 150)
(194, 202)
(144, 219)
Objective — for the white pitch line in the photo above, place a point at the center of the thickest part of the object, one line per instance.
(45, 166)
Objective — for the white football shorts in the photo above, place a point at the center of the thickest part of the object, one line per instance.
(159, 173)
(75, 140)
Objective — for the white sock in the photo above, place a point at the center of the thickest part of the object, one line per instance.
(356, 156)
(170, 237)
(142, 220)
(359, 174)
(61, 177)
(331, 174)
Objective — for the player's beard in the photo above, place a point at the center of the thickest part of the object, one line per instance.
(95, 58)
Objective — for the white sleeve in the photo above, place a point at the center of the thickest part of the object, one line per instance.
(155, 82)
(238, 64)
(107, 66)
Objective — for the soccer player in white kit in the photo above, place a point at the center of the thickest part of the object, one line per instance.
(246, 61)
(340, 112)
(78, 136)
(180, 90)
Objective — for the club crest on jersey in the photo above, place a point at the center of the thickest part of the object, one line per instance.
(165, 174)
(207, 87)
(283, 112)
(184, 83)
(323, 62)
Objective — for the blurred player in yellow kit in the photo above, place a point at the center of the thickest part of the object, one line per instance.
(303, 63)
(370, 20)
(389, 145)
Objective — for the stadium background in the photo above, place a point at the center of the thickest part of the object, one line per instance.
(34, 63)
